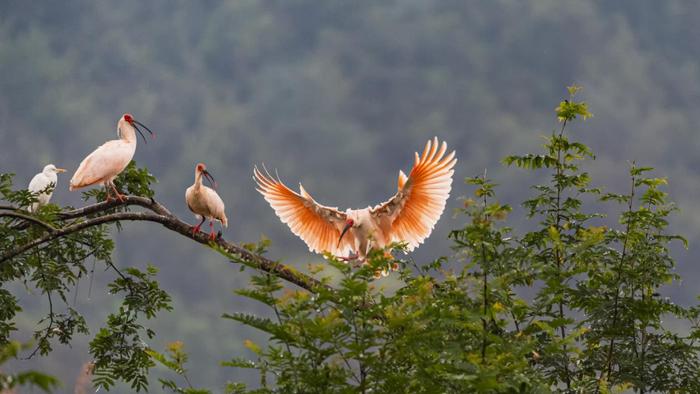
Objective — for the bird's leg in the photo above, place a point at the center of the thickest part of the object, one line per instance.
(196, 228)
(120, 196)
(359, 262)
(109, 197)
(212, 236)
(352, 256)
(221, 232)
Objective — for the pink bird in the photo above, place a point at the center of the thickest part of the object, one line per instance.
(205, 202)
(409, 216)
(110, 159)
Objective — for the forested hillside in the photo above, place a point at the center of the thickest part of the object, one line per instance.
(338, 95)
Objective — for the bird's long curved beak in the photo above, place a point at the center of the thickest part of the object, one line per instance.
(60, 170)
(345, 230)
(136, 125)
(207, 175)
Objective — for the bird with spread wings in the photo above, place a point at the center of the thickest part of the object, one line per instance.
(409, 216)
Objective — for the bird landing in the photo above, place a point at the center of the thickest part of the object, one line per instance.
(408, 217)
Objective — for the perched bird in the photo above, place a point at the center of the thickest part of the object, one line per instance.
(204, 202)
(110, 159)
(409, 216)
(41, 182)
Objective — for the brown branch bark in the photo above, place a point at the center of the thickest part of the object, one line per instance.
(159, 214)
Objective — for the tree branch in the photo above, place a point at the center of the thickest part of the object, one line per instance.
(160, 214)
(27, 218)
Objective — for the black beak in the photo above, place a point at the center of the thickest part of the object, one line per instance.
(345, 230)
(136, 125)
(209, 178)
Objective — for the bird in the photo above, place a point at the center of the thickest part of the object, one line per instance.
(205, 202)
(110, 159)
(409, 216)
(43, 185)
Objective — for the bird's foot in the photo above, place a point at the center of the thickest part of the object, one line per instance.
(195, 230)
(359, 262)
(351, 257)
(121, 197)
(212, 236)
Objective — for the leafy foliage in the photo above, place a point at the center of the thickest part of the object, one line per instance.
(594, 321)
(175, 361)
(55, 267)
(119, 348)
(430, 336)
(571, 305)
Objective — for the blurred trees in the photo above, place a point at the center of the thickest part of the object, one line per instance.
(352, 88)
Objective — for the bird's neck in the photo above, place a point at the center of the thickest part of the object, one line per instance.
(197, 180)
(127, 133)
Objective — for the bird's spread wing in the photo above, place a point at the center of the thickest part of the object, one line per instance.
(319, 226)
(415, 209)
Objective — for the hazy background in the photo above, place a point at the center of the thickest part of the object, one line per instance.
(338, 95)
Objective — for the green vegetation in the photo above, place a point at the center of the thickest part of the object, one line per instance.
(572, 305)
(337, 95)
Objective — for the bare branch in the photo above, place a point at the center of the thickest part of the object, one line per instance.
(144, 202)
(159, 214)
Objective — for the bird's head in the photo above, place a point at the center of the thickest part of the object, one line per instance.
(52, 169)
(348, 225)
(128, 118)
(201, 169)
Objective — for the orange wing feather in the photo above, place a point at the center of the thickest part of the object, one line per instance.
(319, 226)
(416, 207)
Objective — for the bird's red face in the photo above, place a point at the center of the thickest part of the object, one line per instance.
(202, 169)
(128, 118)
(348, 224)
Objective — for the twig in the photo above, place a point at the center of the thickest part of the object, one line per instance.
(27, 218)
(616, 308)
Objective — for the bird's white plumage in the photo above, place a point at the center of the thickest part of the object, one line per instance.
(43, 185)
(204, 201)
(104, 163)
(109, 159)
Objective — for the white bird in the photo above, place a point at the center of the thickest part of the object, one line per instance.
(409, 216)
(39, 185)
(204, 202)
(110, 159)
